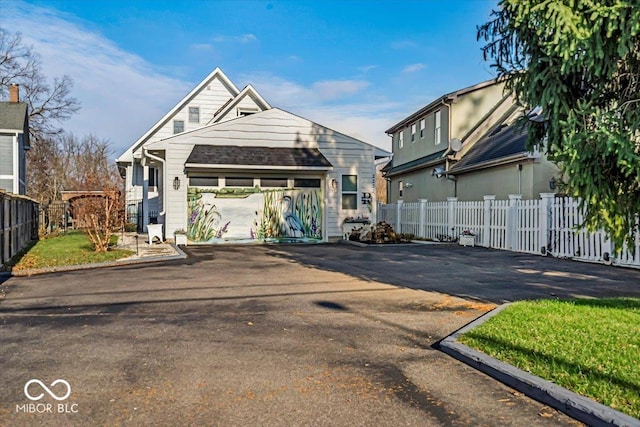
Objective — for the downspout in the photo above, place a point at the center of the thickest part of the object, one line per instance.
(164, 178)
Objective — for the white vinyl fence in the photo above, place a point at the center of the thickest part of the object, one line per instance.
(550, 225)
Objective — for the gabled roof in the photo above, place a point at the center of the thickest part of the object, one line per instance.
(13, 117)
(445, 99)
(215, 74)
(233, 102)
(226, 156)
(280, 126)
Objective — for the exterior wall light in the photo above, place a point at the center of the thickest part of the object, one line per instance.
(176, 183)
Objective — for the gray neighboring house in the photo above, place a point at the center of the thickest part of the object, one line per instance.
(465, 144)
(14, 142)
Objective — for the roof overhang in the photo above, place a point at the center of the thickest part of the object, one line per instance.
(201, 166)
(518, 157)
(421, 163)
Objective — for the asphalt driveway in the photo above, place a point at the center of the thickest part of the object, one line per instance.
(273, 335)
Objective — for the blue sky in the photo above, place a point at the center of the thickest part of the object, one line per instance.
(355, 66)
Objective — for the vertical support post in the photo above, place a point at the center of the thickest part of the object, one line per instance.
(451, 216)
(545, 221)
(145, 197)
(486, 226)
(422, 218)
(398, 225)
(512, 222)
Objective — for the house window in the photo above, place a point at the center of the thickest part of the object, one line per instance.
(401, 139)
(349, 192)
(203, 181)
(273, 182)
(239, 182)
(400, 188)
(437, 131)
(306, 183)
(178, 126)
(6, 160)
(194, 114)
(422, 126)
(153, 179)
(413, 132)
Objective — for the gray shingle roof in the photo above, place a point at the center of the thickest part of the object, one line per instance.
(257, 156)
(503, 141)
(13, 115)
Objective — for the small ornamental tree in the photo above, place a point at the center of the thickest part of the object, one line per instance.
(579, 60)
(99, 215)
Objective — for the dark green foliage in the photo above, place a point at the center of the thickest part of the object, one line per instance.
(580, 61)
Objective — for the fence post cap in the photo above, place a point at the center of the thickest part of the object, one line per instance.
(490, 197)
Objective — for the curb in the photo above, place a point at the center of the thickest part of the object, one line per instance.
(117, 263)
(579, 407)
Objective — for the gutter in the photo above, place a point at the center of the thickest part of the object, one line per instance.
(164, 178)
(495, 162)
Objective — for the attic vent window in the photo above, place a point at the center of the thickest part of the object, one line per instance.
(246, 111)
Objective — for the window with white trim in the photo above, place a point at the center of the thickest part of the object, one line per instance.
(400, 188)
(437, 129)
(422, 126)
(178, 126)
(413, 132)
(401, 139)
(194, 114)
(349, 192)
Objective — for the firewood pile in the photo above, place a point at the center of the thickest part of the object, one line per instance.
(382, 232)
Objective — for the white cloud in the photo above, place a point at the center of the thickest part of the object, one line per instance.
(244, 38)
(413, 68)
(335, 89)
(367, 68)
(360, 118)
(121, 94)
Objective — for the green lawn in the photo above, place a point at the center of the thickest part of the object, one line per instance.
(589, 346)
(69, 249)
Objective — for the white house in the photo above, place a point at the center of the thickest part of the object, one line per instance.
(223, 165)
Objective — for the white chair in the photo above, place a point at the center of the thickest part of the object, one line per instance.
(155, 230)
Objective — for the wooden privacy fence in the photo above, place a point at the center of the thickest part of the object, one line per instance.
(550, 225)
(18, 224)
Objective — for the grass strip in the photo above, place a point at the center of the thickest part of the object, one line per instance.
(588, 346)
(73, 248)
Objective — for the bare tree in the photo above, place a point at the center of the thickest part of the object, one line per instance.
(49, 103)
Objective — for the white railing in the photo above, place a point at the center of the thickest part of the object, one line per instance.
(550, 225)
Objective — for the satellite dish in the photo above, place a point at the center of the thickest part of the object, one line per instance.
(456, 144)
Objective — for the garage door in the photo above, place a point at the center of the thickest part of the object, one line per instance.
(238, 213)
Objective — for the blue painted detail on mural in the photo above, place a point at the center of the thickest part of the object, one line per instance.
(252, 214)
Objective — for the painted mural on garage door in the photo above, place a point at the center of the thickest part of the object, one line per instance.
(251, 214)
